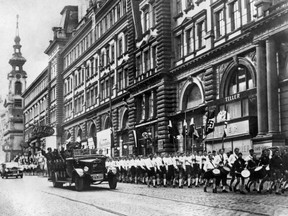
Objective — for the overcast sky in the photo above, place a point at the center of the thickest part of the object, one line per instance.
(36, 19)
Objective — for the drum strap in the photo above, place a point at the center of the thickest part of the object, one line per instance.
(212, 163)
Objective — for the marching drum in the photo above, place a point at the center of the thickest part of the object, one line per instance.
(260, 172)
(226, 170)
(245, 173)
(216, 172)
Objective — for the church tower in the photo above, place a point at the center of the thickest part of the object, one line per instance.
(14, 124)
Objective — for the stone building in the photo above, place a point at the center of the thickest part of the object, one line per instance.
(227, 62)
(145, 76)
(95, 77)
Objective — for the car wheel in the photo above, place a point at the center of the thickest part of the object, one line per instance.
(112, 182)
(6, 176)
(79, 183)
(86, 184)
(57, 184)
(21, 176)
(16, 176)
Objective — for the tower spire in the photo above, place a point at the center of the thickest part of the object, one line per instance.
(17, 25)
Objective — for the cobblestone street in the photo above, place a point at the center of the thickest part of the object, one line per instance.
(35, 196)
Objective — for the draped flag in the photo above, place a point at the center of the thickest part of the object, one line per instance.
(192, 131)
(173, 132)
(210, 122)
(225, 130)
(184, 131)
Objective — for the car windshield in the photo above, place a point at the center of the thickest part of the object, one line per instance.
(11, 165)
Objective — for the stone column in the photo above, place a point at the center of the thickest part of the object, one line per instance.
(261, 89)
(272, 87)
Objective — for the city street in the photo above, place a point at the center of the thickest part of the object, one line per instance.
(34, 195)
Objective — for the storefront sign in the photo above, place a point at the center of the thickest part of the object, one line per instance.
(233, 129)
(232, 97)
(104, 140)
(259, 147)
(91, 143)
(42, 131)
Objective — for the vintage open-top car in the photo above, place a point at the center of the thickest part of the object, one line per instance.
(84, 170)
(11, 169)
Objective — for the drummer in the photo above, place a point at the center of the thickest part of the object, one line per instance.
(251, 165)
(264, 161)
(276, 165)
(209, 166)
(221, 160)
(239, 166)
(232, 158)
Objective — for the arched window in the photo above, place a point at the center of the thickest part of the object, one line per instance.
(92, 131)
(107, 123)
(125, 121)
(18, 88)
(239, 81)
(192, 97)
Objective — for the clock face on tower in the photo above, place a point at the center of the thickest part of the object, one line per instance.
(18, 76)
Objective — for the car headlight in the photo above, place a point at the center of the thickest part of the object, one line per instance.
(86, 169)
(6, 170)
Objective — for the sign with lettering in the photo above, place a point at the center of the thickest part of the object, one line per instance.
(235, 128)
(232, 97)
(42, 131)
(104, 141)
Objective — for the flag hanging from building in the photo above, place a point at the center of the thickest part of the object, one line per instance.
(225, 130)
(192, 131)
(210, 122)
(172, 130)
(184, 131)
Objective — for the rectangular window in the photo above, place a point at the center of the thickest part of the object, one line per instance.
(118, 11)
(18, 103)
(102, 90)
(120, 46)
(120, 82)
(219, 24)
(112, 53)
(235, 16)
(146, 61)
(153, 14)
(139, 65)
(126, 78)
(146, 21)
(190, 40)
(154, 56)
(178, 43)
(234, 109)
(124, 6)
(88, 98)
(201, 33)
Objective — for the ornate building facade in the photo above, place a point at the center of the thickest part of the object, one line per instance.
(145, 76)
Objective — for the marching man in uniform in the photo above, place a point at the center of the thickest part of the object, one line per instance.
(221, 160)
(209, 166)
(231, 160)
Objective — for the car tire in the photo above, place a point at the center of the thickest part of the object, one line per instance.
(21, 176)
(86, 184)
(79, 183)
(112, 182)
(6, 177)
(16, 176)
(57, 184)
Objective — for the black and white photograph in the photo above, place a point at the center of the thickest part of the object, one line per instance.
(143, 107)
